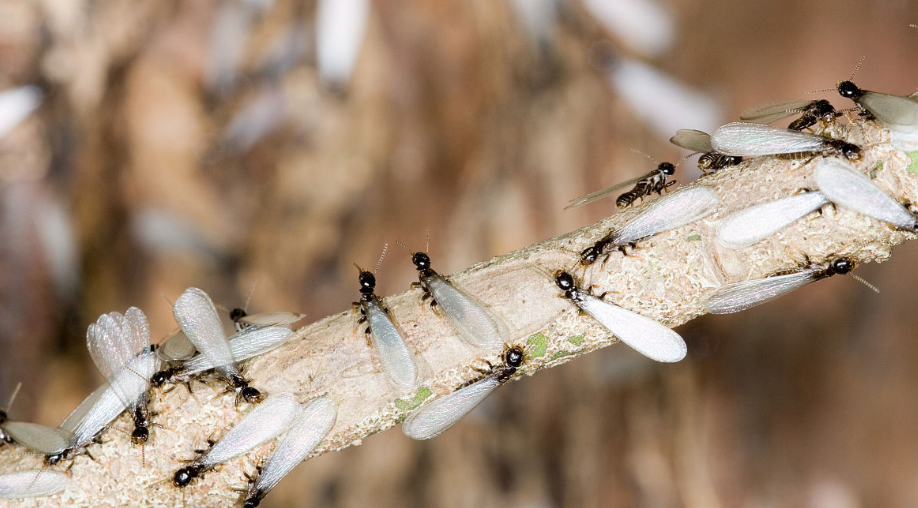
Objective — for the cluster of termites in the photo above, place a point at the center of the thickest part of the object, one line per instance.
(120, 344)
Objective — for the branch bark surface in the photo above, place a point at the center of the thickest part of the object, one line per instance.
(667, 277)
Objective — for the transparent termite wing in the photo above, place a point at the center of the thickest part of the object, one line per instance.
(740, 296)
(652, 182)
(388, 342)
(197, 316)
(264, 422)
(669, 212)
(643, 334)
(250, 342)
(35, 483)
(811, 112)
(38, 438)
(312, 423)
(476, 324)
(176, 348)
(113, 341)
(755, 223)
(243, 320)
(700, 142)
(106, 403)
(757, 140)
(845, 186)
(434, 418)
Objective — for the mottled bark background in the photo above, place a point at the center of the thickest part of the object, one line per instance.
(194, 144)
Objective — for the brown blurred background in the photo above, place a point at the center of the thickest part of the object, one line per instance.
(221, 144)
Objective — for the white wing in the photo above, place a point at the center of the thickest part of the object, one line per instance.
(265, 421)
(390, 345)
(477, 325)
(694, 140)
(434, 418)
(340, 26)
(38, 438)
(845, 186)
(313, 422)
(177, 348)
(16, 105)
(743, 295)
(669, 212)
(272, 318)
(899, 113)
(754, 223)
(196, 314)
(771, 111)
(32, 484)
(752, 139)
(644, 335)
(249, 343)
(108, 401)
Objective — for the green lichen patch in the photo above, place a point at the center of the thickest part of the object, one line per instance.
(539, 343)
(913, 167)
(693, 238)
(407, 405)
(561, 354)
(576, 340)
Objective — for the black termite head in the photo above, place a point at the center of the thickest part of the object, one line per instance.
(849, 90)
(162, 377)
(565, 281)
(3, 417)
(367, 281)
(823, 110)
(254, 499)
(589, 255)
(237, 314)
(849, 150)
(840, 266)
(184, 476)
(667, 168)
(513, 358)
(51, 460)
(421, 260)
(248, 393)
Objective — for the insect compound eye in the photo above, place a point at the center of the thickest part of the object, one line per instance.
(733, 160)
(564, 280)
(667, 168)
(849, 90)
(514, 357)
(842, 266)
(421, 260)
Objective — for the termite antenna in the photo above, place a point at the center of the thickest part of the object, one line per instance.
(382, 256)
(427, 247)
(13, 396)
(864, 282)
(249, 296)
(819, 90)
(645, 154)
(359, 268)
(857, 67)
(405, 246)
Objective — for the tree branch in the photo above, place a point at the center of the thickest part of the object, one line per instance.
(667, 277)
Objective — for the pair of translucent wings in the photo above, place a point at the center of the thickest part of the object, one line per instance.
(263, 422)
(669, 212)
(312, 423)
(35, 483)
(754, 223)
(755, 140)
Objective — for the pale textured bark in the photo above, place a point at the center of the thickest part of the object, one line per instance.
(667, 277)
